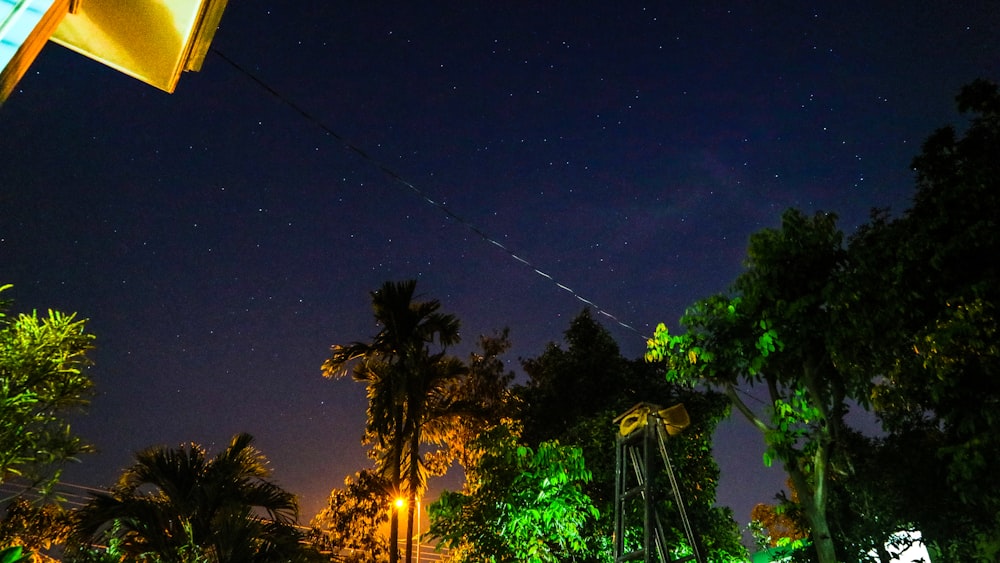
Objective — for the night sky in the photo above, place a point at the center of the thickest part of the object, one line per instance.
(221, 238)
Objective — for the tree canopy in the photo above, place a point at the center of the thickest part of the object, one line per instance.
(175, 505)
(553, 408)
(900, 318)
(38, 528)
(772, 331)
(408, 385)
(924, 309)
(540, 457)
(521, 504)
(351, 520)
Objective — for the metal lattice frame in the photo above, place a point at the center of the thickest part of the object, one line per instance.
(642, 432)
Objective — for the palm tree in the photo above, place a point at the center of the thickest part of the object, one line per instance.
(400, 373)
(434, 408)
(174, 502)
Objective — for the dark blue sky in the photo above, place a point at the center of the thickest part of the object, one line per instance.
(219, 241)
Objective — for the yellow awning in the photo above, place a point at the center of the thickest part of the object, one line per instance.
(152, 40)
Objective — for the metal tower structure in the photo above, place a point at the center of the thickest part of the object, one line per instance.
(642, 431)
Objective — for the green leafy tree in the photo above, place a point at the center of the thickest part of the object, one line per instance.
(522, 504)
(405, 382)
(868, 507)
(351, 520)
(591, 361)
(922, 310)
(43, 360)
(773, 331)
(902, 319)
(867, 511)
(553, 409)
(179, 505)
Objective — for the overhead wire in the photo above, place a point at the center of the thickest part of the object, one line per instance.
(65, 492)
(399, 179)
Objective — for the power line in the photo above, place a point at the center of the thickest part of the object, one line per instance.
(399, 179)
(82, 487)
(63, 493)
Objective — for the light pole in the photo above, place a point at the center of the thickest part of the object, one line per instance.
(400, 504)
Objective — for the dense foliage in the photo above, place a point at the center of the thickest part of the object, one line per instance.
(553, 407)
(179, 505)
(350, 524)
(772, 331)
(410, 390)
(42, 381)
(930, 291)
(38, 528)
(522, 504)
(510, 506)
(901, 319)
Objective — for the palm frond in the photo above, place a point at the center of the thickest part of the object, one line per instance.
(172, 500)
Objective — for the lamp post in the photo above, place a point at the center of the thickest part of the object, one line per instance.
(400, 504)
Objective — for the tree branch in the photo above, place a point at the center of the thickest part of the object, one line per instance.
(743, 408)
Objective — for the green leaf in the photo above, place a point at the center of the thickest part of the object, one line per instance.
(14, 555)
